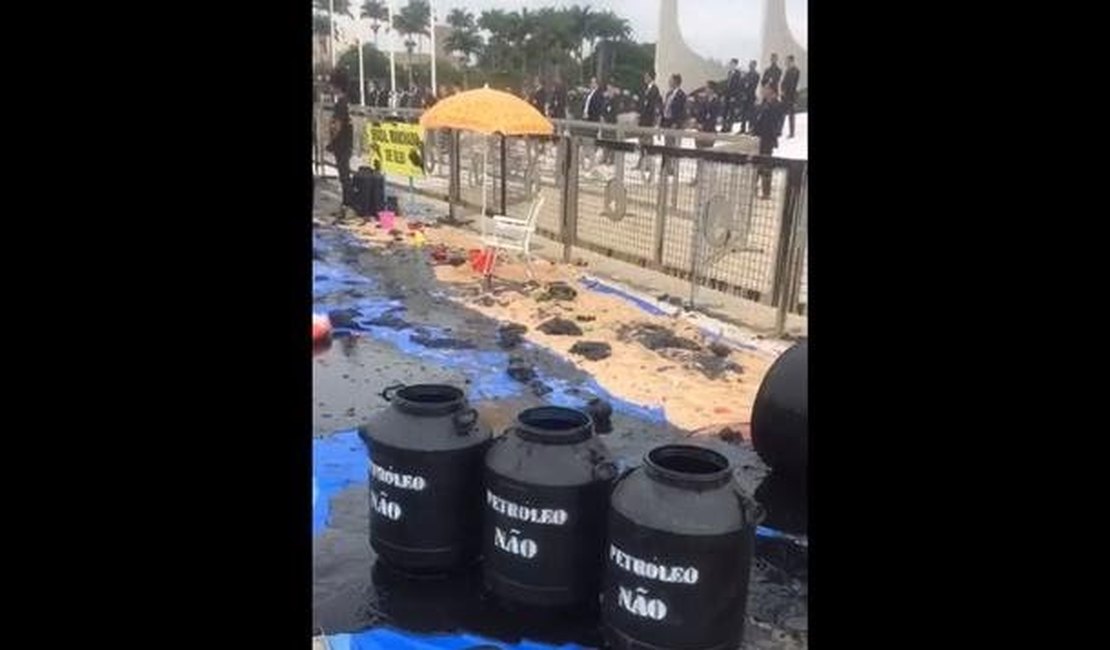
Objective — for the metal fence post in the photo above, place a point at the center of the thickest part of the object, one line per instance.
(503, 174)
(569, 227)
(780, 290)
(660, 211)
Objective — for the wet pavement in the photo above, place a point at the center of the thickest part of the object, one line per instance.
(402, 326)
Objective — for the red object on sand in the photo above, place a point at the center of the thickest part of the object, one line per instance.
(321, 328)
(482, 260)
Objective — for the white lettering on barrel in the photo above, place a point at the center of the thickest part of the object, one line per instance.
(384, 507)
(639, 602)
(398, 480)
(552, 516)
(652, 571)
(510, 543)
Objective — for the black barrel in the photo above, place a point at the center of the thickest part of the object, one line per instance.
(426, 454)
(547, 488)
(679, 551)
(780, 425)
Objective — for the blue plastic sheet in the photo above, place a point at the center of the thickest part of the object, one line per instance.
(598, 286)
(382, 638)
(338, 461)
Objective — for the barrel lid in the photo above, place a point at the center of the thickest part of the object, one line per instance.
(554, 425)
(426, 399)
(688, 466)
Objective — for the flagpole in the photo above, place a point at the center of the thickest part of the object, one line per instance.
(432, 21)
(361, 78)
(331, 30)
(392, 60)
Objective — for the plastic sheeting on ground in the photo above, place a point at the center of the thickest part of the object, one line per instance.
(338, 461)
(382, 638)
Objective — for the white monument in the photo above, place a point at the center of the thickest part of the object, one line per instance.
(775, 36)
(672, 54)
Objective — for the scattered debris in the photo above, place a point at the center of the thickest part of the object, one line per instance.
(585, 318)
(730, 434)
(656, 337)
(343, 318)
(560, 327)
(510, 335)
(592, 350)
(429, 340)
(720, 349)
(539, 388)
(389, 319)
(557, 291)
(520, 370)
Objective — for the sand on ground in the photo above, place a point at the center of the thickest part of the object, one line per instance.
(693, 398)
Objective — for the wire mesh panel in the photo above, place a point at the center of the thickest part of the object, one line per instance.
(472, 173)
(531, 166)
(738, 227)
(615, 203)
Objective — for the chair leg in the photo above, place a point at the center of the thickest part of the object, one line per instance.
(528, 266)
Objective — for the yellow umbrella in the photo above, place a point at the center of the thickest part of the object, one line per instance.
(486, 111)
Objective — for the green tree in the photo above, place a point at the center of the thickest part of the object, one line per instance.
(377, 12)
(464, 38)
(413, 21)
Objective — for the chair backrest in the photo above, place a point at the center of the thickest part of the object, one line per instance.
(534, 212)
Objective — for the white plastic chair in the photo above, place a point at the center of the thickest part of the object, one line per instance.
(510, 234)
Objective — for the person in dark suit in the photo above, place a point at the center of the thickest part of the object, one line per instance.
(733, 91)
(773, 74)
(557, 102)
(674, 105)
(790, 90)
(594, 103)
(650, 108)
(767, 127)
(707, 110)
(674, 114)
(538, 97)
(749, 85)
(341, 135)
(651, 102)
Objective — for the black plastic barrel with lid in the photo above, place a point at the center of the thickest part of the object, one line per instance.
(426, 452)
(678, 554)
(547, 488)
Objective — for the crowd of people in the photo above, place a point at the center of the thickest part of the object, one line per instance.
(762, 105)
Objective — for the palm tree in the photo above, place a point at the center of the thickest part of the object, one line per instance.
(412, 21)
(463, 39)
(377, 12)
(322, 8)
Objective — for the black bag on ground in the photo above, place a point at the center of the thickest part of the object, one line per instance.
(368, 192)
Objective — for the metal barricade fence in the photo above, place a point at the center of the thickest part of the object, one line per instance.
(719, 218)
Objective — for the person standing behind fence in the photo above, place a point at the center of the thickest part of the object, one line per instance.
(790, 90)
(767, 127)
(650, 108)
(595, 102)
(341, 134)
(557, 106)
(773, 74)
(734, 87)
(748, 89)
(674, 114)
(706, 112)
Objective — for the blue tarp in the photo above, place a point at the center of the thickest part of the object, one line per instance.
(338, 461)
(382, 638)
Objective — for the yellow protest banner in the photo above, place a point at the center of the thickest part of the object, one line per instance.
(395, 148)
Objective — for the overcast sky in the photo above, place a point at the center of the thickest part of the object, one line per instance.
(721, 29)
